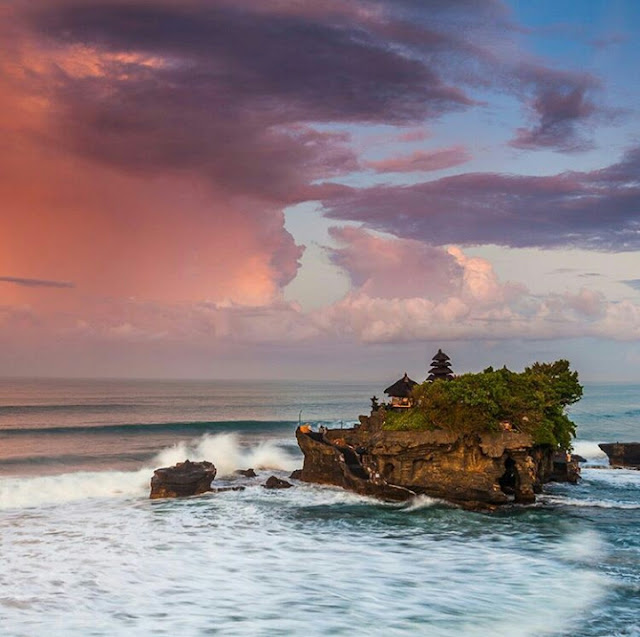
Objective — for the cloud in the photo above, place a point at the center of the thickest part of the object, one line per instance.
(597, 210)
(405, 291)
(150, 148)
(386, 268)
(422, 161)
(560, 105)
(36, 283)
(609, 40)
(632, 283)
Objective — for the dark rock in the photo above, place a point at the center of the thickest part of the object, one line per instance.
(622, 454)
(276, 483)
(577, 458)
(247, 473)
(184, 479)
(296, 475)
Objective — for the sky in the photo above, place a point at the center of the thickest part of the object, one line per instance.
(326, 189)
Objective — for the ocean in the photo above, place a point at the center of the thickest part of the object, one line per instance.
(85, 552)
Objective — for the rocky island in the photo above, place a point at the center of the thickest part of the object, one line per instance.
(478, 440)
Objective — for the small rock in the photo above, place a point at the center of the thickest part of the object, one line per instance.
(575, 457)
(296, 475)
(184, 479)
(247, 473)
(276, 483)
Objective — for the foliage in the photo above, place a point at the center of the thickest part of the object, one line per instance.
(532, 401)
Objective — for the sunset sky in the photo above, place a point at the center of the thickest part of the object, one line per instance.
(318, 188)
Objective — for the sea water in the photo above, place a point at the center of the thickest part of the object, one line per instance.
(85, 552)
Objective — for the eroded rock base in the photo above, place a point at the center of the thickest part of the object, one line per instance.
(474, 471)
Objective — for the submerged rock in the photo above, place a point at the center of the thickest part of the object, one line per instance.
(184, 479)
(276, 483)
(247, 473)
(622, 454)
(296, 475)
(476, 471)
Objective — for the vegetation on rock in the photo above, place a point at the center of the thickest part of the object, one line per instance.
(533, 401)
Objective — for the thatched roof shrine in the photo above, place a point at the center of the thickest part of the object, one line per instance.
(401, 388)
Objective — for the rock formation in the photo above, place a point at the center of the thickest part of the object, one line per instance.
(622, 454)
(184, 479)
(475, 471)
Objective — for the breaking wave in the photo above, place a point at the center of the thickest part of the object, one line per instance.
(224, 450)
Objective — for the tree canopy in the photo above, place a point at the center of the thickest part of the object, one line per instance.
(533, 401)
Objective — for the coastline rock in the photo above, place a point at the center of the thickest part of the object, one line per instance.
(296, 475)
(622, 454)
(276, 483)
(184, 479)
(223, 489)
(474, 471)
(247, 473)
(565, 468)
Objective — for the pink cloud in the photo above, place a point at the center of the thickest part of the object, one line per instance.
(422, 161)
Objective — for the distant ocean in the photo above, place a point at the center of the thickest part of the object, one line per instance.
(84, 552)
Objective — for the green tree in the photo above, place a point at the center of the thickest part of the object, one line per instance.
(532, 401)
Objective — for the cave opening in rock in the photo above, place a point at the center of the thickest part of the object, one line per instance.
(509, 479)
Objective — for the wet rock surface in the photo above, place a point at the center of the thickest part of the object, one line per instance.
(183, 479)
(247, 473)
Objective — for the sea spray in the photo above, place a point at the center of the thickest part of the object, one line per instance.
(227, 454)
(224, 450)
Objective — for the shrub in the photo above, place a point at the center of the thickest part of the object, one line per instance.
(532, 401)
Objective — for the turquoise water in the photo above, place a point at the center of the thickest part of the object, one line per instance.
(84, 552)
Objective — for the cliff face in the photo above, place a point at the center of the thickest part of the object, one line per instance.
(476, 471)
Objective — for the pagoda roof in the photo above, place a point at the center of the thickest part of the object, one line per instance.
(401, 388)
(441, 356)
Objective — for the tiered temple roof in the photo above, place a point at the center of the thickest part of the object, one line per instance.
(440, 367)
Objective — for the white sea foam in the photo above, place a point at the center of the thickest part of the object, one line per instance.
(591, 503)
(43, 490)
(626, 478)
(224, 450)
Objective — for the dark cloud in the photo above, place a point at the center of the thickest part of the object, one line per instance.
(230, 91)
(233, 90)
(633, 283)
(560, 106)
(597, 210)
(36, 283)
